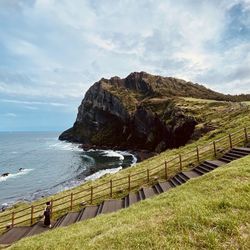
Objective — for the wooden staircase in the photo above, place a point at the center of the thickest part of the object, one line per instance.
(109, 206)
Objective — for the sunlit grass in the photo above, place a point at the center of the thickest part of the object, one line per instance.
(209, 212)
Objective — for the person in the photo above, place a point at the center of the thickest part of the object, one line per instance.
(47, 213)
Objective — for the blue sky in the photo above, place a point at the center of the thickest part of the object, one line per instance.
(52, 51)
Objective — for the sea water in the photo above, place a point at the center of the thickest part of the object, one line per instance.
(40, 165)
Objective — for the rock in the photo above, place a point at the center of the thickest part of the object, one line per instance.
(160, 147)
(4, 174)
(4, 207)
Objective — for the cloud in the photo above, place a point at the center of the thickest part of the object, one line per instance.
(11, 115)
(34, 103)
(102, 38)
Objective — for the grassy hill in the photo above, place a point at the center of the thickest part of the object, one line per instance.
(210, 212)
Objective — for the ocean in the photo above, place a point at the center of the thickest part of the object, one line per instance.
(40, 165)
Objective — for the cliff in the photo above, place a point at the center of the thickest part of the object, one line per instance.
(137, 112)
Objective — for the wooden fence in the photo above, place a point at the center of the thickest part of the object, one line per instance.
(121, 186)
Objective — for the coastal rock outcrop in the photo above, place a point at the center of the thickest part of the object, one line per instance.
(126, 114)
(5, 174)
(137, 113)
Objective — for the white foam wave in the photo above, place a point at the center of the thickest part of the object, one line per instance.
(117, 154)
(125, 153)
(10, 176)
(67, 146)
(102, 172)
(111, 153)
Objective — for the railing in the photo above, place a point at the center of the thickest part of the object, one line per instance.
(120, 186)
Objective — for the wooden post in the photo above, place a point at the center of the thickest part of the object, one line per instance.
(147, 175)
(129, 183)
(32, 215)
(214, 148)
(13, 219)
(71, 201)
(166, 170)
(230, 140)
(111, 188)
(246, 135)
(180, 162)
(51, 208)
(91, 194)
(197, 152)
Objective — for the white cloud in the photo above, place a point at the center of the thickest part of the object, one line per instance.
(56, 104)
(65, 46)
(11, 115)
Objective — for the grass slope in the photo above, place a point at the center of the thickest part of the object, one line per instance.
(210, 212)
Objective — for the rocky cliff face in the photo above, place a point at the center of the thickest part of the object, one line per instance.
(134, 113)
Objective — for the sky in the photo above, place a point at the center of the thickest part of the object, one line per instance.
(52, 51)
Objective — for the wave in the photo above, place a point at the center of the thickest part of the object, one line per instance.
(125, 153)
(102, 172)
(11, 176)
(67, 146)
(109, 153)
(116, 154)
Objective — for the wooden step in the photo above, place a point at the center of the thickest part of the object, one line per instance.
(181, 178)
(69, 219)
(216, 163)
(191, 174)
(173, 182)
(99, 209)
(87, 213)
(177, 180)
(148, 192)
(132, 198)
(198, 171)
(228, 157)
(13, 235)
(58, 222)
(236, 155)
(225, 160)
(208, 166)
(165, 186)
(140, 195)
(37, 229)
(203, 169)
(242, 149)
(239, 152)
(232, 156)
(158, 188)
(126, 202)
(110, 206)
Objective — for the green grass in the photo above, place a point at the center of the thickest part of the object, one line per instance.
(247, 102)
(223, 116)
(210, 212)
(191, 99)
